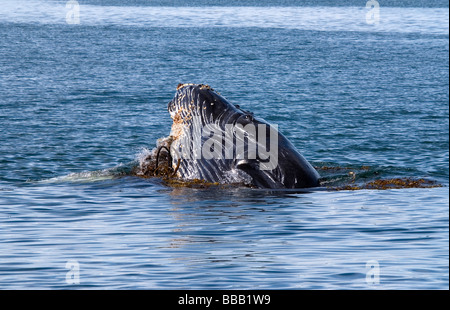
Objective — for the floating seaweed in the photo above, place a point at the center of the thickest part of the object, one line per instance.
(394, 183)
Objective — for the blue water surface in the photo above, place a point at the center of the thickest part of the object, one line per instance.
(79, 102)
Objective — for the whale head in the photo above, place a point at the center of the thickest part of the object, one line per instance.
(216, 141)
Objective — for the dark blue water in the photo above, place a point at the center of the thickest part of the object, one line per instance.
(79, 102)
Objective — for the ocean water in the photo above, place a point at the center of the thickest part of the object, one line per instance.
(80, 102)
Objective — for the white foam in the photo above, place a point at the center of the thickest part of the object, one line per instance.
(83, 177)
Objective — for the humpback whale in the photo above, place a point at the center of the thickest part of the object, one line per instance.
(218, 142)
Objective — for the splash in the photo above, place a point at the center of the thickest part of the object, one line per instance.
(156, 162)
